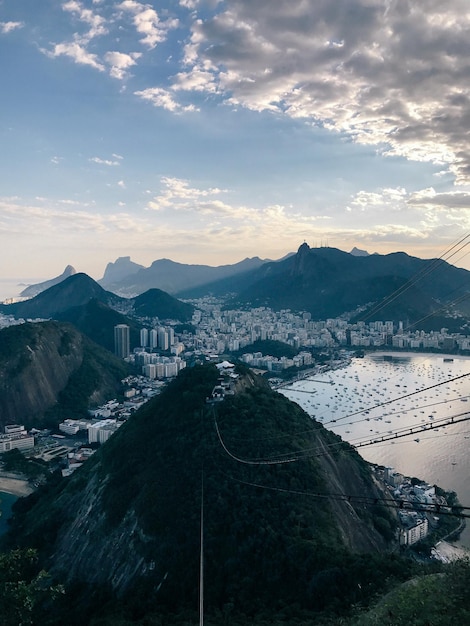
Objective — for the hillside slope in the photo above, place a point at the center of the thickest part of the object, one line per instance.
(130, 518)
(76, 290)
(48, 364)
(328, 283)
(34, 290)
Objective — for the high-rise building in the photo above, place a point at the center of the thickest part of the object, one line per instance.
(122, 341)
(144, 337)
(153, 339)
(163, 339)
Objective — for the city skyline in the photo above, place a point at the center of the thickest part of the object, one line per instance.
(207, 132)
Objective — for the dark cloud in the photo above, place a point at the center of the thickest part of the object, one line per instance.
(390, 72)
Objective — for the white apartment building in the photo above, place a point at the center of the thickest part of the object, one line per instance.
(102, 431)
(413, 534)
(20, 442)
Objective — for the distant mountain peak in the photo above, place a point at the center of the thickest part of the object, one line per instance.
(358, 252)
(304, 248)
(122, 268)
(34, 290)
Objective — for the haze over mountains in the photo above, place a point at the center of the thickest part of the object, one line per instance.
(129, 279)
(325, 282)
(34, 290)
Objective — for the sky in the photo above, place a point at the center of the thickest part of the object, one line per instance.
(208, 131)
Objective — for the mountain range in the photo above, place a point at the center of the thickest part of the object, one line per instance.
(129, 279)
(324, 282)
(94, 311)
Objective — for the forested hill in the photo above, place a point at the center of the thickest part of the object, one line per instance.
(127, 524)
(49, 371)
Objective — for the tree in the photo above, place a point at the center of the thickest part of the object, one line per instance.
(22, 587)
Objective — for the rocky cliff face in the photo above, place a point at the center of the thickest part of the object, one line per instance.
(37, 363)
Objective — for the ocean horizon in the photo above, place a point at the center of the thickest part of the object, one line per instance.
(12, 287)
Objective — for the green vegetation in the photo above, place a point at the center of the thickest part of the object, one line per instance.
(432, 600)
(16, 345)
(15, 461)
(14, 339)
(97, 320)
(24, 588)
(99, 370)
(158, 303)
(185, 328)
(38, 359)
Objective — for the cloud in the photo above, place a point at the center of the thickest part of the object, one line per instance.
(77, 53)
(76, 49)
(424, 214)
(53, 217)
(387, 73)
(104, 161)
(195, 80)
(120, 62)
(8, 27)
(96, 23)
(148, 23)
(179, 195)
(162, 98)
(386, 199)
(459, 200)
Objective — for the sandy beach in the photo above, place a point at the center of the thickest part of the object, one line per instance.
(447, 552)
(14, 484)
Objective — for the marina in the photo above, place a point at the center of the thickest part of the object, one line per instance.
(406, 411)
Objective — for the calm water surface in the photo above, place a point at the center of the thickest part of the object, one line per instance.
(12, 287)
(344, 400)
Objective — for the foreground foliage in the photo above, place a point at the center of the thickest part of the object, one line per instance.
(24, 588)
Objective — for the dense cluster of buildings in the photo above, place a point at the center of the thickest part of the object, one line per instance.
(414, 524)
(218, 331)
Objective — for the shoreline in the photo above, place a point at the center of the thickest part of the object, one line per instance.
(15, 484)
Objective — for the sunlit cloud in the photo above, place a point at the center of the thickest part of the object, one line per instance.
(96, 23)
(120, 63)
(107, 162)
(148, 23)
(162, 98)
(77, 53)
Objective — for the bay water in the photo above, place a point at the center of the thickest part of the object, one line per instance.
(382, 393)
(12, 287)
